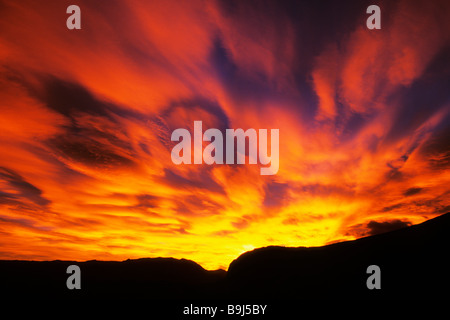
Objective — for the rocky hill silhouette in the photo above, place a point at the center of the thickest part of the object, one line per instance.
(414, 264)
(413, 260)
(146, 278)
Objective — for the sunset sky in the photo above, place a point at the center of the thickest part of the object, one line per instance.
(86, 118)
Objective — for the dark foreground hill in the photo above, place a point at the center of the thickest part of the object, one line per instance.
(413, 261)
(147, 278)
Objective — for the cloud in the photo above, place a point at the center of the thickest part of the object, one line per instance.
(204, 181)
(412, 191)
(375, 227)
(275, 194)
(386, 226)
(20, 187)
(25, 223)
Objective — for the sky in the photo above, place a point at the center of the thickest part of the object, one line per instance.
(86, 118)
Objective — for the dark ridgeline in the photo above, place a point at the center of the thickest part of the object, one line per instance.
(414, 264)
(147, 278)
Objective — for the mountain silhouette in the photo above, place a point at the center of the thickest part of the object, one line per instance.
(146, 278)
(413, 261)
